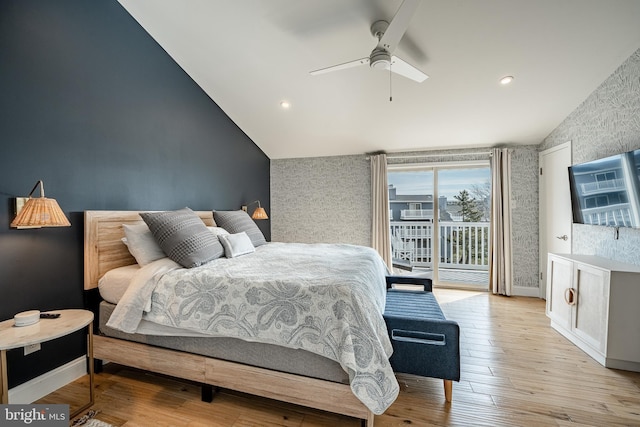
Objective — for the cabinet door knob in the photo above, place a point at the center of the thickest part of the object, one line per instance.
(570, 296)
(563, 237)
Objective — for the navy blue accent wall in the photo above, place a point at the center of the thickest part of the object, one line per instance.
(93, 106)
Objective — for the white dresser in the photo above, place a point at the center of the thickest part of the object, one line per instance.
(595, 303)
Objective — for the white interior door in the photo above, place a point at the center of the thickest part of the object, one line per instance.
(555, 206)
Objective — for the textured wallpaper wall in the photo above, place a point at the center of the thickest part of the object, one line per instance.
(322, 199)
(606, 123)
(524, 193)
(328, 199)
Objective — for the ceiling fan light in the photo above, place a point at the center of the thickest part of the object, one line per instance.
(506, 80)
(380, 59)
(380, 64)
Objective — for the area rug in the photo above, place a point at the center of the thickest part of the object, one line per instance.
(89, 420)
(97, 423)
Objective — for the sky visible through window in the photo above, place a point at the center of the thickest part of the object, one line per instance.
(450, 181)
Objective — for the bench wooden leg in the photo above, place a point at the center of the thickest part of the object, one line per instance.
(448, 390)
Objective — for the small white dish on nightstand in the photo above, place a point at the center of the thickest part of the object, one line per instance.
(27, 318)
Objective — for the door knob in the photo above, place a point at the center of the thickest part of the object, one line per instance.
(570, 296)
(563, 237)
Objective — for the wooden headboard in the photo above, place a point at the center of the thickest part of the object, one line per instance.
(103, 247)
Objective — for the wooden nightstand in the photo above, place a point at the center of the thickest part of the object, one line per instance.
(45, 330)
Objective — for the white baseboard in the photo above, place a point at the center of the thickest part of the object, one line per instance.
(526, 291)
(47, 383)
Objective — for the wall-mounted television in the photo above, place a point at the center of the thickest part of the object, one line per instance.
(607, 191)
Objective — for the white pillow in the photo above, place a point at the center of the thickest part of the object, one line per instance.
(217, 230)
(114, 283)
(236, 244)
(142, 244)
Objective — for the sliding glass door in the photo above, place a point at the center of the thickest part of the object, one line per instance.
(440, 221)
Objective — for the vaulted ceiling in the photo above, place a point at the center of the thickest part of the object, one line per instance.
(250, 55)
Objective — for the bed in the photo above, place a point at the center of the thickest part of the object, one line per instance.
(246, 361)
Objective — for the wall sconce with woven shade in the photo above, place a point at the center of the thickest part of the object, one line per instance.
(39, 212)
(259, 213)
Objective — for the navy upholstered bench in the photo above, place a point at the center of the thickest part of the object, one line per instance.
(424, 342)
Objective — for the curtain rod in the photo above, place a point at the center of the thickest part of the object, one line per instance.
(391, 156)
(413, 156)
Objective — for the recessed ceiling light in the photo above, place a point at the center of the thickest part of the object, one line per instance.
(285, 104)
(506, 80)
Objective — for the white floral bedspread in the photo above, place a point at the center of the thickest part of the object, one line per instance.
(326, 299)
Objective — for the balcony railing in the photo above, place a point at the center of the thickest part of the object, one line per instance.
(463, 245)
(416, 214)
(609, 185)
(614, 215)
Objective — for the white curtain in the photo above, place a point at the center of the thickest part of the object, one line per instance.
(380, 225)
(501, 260)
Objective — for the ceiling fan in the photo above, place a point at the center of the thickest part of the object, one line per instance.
(388, 35)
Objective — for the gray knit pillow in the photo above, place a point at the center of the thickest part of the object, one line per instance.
(183, 237)
(237, 222)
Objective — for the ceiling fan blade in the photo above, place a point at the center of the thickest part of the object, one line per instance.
(407, 70)
(398, 25)
(350, 64)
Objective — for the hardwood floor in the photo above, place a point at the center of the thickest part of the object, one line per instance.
(516, 371)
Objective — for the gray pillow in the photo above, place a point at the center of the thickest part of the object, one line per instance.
(237, 222)
(183, 237)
